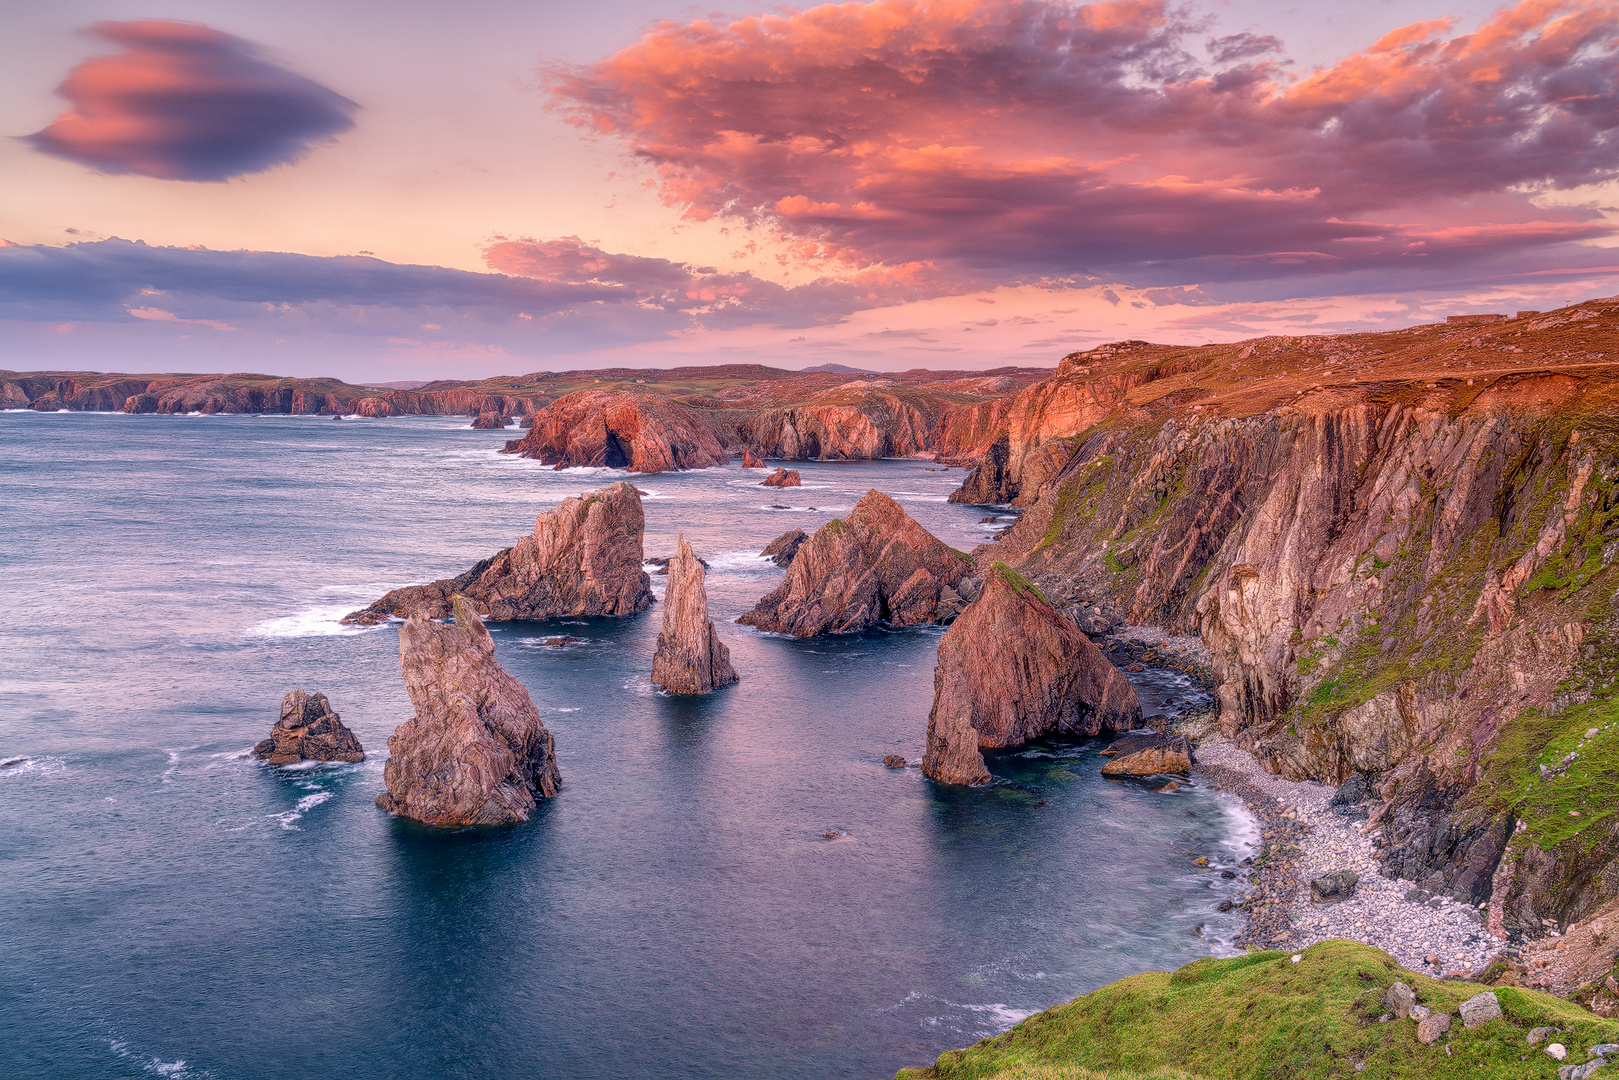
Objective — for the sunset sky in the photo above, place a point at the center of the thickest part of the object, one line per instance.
(416, 190)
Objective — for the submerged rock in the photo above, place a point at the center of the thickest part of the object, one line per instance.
(1148, 753)
(782, 549)
(476, 752)
(1011, 669)
(875, 565)
(634, 431)
(309, 730)
(583, 558)
(782, 478)
(690, 658)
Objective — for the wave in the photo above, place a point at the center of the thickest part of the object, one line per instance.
(304, 805)
(312, 622)
(28, 765)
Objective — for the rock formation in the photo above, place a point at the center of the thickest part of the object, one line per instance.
(1011, 669)
(308, 731)
(876, 565)
(782, 478)
(639, 432)
(751, 462)
(870, 426)
(690, 658)
(782, 549)
(476, 752)
(491, 421)
(583, 558)
(1148, 753)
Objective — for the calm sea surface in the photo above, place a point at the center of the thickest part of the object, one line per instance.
(170, 907)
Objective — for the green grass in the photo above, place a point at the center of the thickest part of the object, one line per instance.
(1589, 787)
(1022, 585)
(1261, 1015)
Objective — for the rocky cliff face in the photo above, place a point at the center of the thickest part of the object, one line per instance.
(876, 426)
(876, 565)
(690, 657)
(476, 752)
(637, 432)
(1400, 550)
(583, 558)
(1013, 668)
(308, 730)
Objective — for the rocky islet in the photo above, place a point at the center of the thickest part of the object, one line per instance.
(309, 729)
(690, 657)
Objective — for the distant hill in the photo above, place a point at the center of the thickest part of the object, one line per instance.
(837, 369)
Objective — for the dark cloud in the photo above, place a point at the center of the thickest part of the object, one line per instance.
(1235, 47)
(186, 102)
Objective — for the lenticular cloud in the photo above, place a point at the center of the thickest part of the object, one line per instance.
(187, 102)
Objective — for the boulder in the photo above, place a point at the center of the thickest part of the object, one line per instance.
(1148, 753)
(1480, 1009)
(1333, 887)
(1399, 1000)
(583, 558)
(875, 565)
(690, 657)
(1429, 1030)
(782, 478)
(1011, 669)
(751, 462)
(782, 549)
(638, 432)
(894, 761)
(476, 752)
(491, 421)
(308, 731)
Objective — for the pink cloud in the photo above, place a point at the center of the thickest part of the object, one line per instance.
(1016, 139)
(186, 102)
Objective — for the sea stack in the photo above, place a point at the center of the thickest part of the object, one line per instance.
(583, 558)
(691, 659)
(309, 730)
(476, 752)
(782, 478)
(875, 565)
(751, 462)
(1013, 668)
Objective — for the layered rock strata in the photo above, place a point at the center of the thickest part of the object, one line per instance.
(583, 558)
(690, 657)
(476, 752)
(1013, 668)
(1148, 753)
(874, 425)
(308, 730)
(876, 565)
(637, 432)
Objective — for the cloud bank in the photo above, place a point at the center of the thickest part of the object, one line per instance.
(186, 102)
(1021, 140)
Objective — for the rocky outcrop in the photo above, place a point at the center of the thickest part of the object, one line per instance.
(476, 752)
(583, 558)
(1148, 753)
(782, 549)
(308, 730)
(751, 462)
(1013, 668)
(491, 421)
(638, 432)
(783, 478)
(875, 425)
(690, 657)
(876, 565)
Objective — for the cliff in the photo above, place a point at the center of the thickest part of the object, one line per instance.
(637, 432)
(476, 752)
(876, 565)
(690, 658)
(1013, 668)
(878, 425)
(1399, 549)
(583, 558)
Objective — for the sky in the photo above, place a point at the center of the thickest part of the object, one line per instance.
(421, 189)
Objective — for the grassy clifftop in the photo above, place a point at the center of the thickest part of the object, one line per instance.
(1262, 1015)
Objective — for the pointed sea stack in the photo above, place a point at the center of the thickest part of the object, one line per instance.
(309, 730)
(691, 659)
(875, 565)
(1013, 668)
(751, 462)
(476, 752)
(584, 558)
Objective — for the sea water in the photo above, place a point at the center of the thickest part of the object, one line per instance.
(732, 886)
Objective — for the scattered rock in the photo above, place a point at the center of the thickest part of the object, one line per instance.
(1581, 1072)
(1330, 888)
(560, 641)
(1399, 999)
(1174, 786)
(476, 752)
(951, 605)
(990, 520)
(1556, 1051)
(690, 657)
(491, 421)
(1419, 1013)
(1539, 1035)
(782, 549)
(1480, 1009)
(1011, 669)
(1429, 1030)
(751, 462)
(894, 761)
(1148, 753)
(782, 478)
(877, 564)
(308, 731)
(583, 558)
